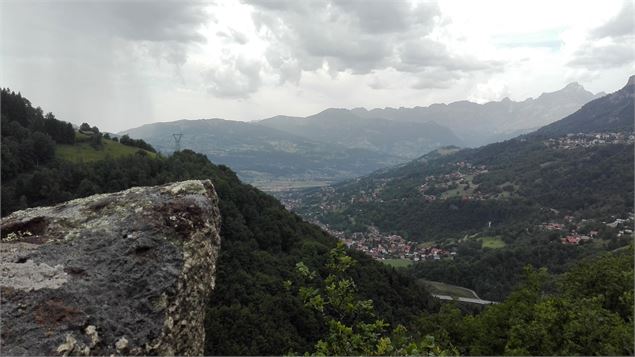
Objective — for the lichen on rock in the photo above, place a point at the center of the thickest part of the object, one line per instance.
(122, 273)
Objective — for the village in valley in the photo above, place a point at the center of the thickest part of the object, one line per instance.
(383, 246)
(585, 140)
(460, 180)
(389, 246)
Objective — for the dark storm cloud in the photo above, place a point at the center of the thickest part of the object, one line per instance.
(388, 16)
(98, 51)
(610, 45)
(621, 25)
(319, 32)
(600, 56)
(135, 20)
(170, 24)
(419, 54)
(357, 36)
(424, 55)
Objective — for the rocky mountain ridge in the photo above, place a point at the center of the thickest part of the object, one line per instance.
(480, 124)
(611, 113)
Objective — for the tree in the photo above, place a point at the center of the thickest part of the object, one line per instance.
(588, 312)
(86, 188)
(95, 141)
(42, 147)
(84, 127)
(353, 328)
(608, 279)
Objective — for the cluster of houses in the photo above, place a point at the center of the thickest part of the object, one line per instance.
(434, 185)
(624, 226)
(372, 195)
(572, 237)
(292, 201)
(388, 246)
(380, 246)
(572, 141)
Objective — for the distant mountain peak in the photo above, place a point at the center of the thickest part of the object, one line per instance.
(334, 110)
(574, 86)
(610, 113)
(571, 90)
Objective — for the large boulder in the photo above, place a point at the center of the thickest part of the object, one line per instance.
(123, 273)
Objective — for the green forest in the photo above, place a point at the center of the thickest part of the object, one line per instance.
(592, 182)
(250, 313)
(284, 286)
(522, 184)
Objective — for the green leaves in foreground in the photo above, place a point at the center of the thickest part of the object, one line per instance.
(353, 328)
(587, 311)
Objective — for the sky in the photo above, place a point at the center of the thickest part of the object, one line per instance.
(122, 64)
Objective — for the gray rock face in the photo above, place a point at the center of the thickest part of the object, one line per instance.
(124, 273)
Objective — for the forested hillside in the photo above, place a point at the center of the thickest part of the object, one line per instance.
(586, 311)
(476, 217)
(509, 183)
(344, 128)
(37, 149)
(251, 312)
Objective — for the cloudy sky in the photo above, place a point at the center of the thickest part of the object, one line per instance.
(120, 64)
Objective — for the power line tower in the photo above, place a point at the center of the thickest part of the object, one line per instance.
(177, 141)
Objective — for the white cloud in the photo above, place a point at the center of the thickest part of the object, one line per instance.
(237, 78)
(609, 45)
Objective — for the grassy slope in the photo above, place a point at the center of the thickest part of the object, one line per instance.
(83, 152)
(492, 242)
(436, 287)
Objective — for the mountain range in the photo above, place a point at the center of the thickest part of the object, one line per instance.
(285, 152)
(480, 124)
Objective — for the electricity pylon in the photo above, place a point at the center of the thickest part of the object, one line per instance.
(177, 141)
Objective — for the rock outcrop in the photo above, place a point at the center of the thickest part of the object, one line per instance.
(123, 273)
